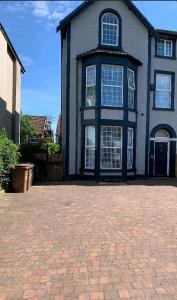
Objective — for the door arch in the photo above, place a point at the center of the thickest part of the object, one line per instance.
(162, 158)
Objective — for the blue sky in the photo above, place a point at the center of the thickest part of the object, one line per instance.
(31, 27)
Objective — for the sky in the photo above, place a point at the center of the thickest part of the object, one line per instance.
(31, 26)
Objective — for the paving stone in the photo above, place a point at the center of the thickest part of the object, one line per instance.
(89, 241)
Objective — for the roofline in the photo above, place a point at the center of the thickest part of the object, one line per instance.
(11, 47)
(63, 23)
(167, 32)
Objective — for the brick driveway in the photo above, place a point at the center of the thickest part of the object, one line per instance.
(89, 242)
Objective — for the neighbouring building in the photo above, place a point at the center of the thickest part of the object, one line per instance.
(119, 93)
(42, 127)
(59, 130)
(10, 87)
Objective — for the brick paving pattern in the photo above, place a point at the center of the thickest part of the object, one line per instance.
(89, 242)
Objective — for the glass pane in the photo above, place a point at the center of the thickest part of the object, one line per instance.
(90, 158)
(163, 99)
(90, 136)
(112, 75)
(169, 48)
(112, 82)
(112, 96)
(109, 18)
(90, 96)
(130, 99)
(90, 147)
(131, 79)
(111, 147)
(160, 48)
(129, 158)
(130, 137)
(163, 82)
(91, 75)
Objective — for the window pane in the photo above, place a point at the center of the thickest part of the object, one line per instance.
(160, 48)
(91, 75)
(110, 19)
(110, 29)
(112, 85)
(163, 99)
(163, 82)
(129, 158)
(90, 96)
(130, 137)
(90, 85)
(169, 48)
(131, 79)
(130, 148)
(130, 99)
(90, 147)
(111, 96)
(111, 147)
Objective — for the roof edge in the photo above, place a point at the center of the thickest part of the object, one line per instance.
(63, 23)
(11, 47)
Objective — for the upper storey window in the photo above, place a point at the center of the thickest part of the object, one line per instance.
(165, 48)
(110, 30)
(112, 85)
(90, 85)
(163, 97)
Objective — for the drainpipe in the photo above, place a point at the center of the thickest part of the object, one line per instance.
(77, 105)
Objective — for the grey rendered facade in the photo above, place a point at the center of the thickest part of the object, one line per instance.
(154, 128)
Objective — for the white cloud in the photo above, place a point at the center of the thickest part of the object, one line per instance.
(50, 12)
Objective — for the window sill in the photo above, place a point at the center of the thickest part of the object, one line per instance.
(110, 47)
(87, 108)
(163, 109)
(165, 57)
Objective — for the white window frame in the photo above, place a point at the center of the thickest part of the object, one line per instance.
(162, 90)
(90, 85)
(116, 25)
(110, 85)
(132, 88)
(107, 147)
(87, 147)
(165, 47)
(130, 147)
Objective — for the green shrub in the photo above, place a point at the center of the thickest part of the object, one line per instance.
(49, 147)
(9, 155)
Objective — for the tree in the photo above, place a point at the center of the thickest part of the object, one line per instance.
(27, 129)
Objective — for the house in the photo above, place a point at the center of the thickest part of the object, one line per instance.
(10, 87)
(59, 130)
(119, 93)
(42, 128)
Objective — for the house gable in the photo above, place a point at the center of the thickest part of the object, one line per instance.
(84, 5)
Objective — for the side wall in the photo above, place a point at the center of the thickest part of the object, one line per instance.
(10, 85)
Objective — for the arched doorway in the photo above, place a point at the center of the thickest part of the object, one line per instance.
(162, 151)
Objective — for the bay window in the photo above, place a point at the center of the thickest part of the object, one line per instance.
(131, 89)
(111, 147)
(90, 85)
(90, 147)
(112, 85)
(130, 148)
(163, 94)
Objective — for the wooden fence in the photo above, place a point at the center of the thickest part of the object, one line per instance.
(48, 167)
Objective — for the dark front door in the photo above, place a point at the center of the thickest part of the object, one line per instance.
(161, 150)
